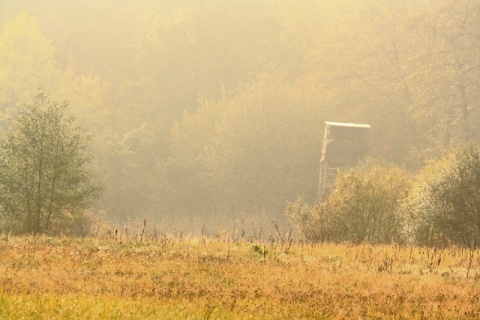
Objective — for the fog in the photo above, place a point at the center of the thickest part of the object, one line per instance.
(210, 114)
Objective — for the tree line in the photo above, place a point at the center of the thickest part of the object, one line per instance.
(214, 110)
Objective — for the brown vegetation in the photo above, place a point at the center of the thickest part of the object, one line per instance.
(221, 278)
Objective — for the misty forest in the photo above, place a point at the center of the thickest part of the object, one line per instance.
(211, 114)
(240, 159)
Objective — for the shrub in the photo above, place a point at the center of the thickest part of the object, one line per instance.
(311, 222)
(444, 204)
(364, 205)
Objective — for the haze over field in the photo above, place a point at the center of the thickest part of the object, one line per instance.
(212, 112)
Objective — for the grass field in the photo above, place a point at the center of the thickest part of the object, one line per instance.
(172, 278)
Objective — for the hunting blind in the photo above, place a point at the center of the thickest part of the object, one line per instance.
(344, 144)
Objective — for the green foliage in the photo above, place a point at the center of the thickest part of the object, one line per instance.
(444, 204)
(364, 204)
(45, 181)
(26, 61)
(239, 152)
(311, 222)
(408, 68)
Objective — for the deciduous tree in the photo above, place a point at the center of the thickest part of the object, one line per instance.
(44, 175)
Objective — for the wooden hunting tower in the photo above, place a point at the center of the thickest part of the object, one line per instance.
(344, 144)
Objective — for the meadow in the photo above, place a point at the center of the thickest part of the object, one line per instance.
(222, 278)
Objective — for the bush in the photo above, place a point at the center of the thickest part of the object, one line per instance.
(364, 205)
(311, 222)
(444, 204)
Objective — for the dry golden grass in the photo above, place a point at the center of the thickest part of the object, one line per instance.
(172, 278)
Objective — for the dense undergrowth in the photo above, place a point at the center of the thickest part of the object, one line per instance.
(195, 278)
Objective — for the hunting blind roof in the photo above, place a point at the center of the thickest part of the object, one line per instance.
(350, 125)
